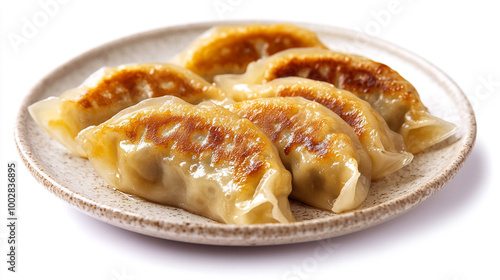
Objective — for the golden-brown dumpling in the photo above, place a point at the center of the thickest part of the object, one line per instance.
(384, 146)
(330, 169)
(229, 49)
(387, 92)
(201, 158)
(112, 89)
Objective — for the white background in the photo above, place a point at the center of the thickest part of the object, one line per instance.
(453, 235)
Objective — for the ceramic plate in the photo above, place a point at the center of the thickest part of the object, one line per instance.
(74, 180)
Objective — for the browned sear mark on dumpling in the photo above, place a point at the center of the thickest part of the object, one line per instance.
(344, 73)
(229, 49)
(277, 119)
(198, 136)
(138, 83)
(238, 51)
(353, 117)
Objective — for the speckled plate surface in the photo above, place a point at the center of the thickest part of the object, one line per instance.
(73, 179)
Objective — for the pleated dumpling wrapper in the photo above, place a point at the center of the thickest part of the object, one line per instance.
(330, 169)
(387, 92)
(111, 89)
(384, 146)
(229, 49)
(201, 158)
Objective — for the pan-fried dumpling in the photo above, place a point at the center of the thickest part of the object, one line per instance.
(201, 158)
(387, 92)
(229, 49)
(330, 169)
(110, 90)
(384, 146)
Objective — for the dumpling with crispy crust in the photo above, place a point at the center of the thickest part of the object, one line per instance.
(384, 146)
(112, 89)
(201, 158)
(229, 49)
(387, 92)
(330, 170)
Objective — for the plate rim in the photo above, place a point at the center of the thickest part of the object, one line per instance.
(214, 233)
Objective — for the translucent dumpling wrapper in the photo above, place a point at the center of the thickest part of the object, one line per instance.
(201, 158)
(229, 49)
(387, 92)
(384, 146)
(330, 169)
(111, 89)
